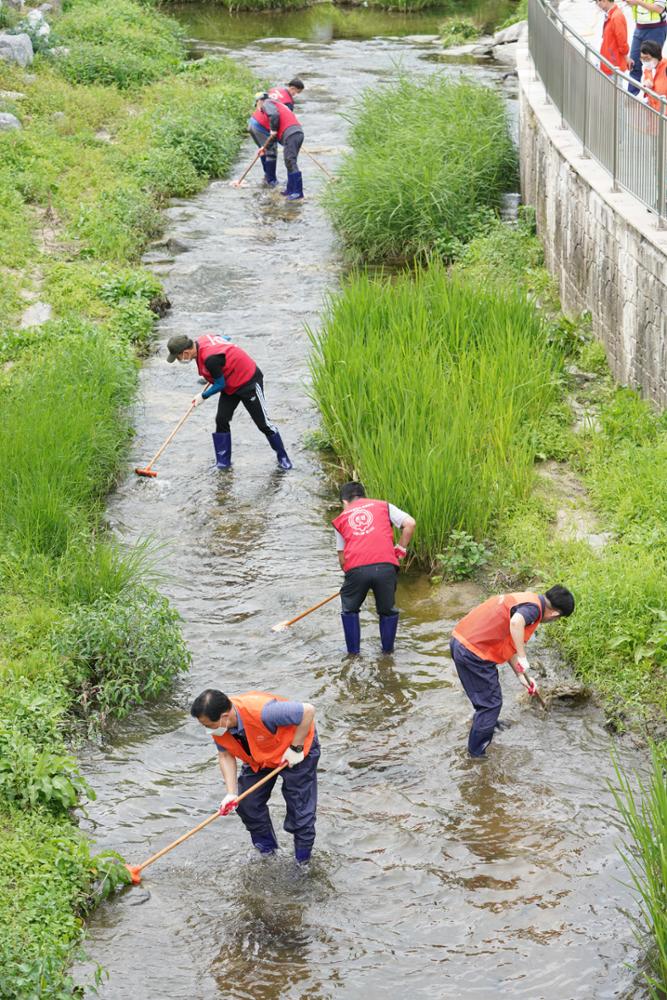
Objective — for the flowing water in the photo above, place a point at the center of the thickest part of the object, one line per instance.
(433, 874)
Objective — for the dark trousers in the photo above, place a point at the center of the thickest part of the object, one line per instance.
(299, 788)
(252, 396)
(482, 685)
(656, 34)
(378, 577)
(291, 148)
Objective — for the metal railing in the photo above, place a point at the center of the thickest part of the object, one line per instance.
(618, 130)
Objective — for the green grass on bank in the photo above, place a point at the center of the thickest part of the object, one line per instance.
(429, 158)
(645, 854)
(109, 134)
(434, 391)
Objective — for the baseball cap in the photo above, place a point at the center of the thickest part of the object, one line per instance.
(176, 345)
(261, 95)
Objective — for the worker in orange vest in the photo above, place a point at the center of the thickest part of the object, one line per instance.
(264, 731)
(654, 73)
(496, 632)
(614, 45)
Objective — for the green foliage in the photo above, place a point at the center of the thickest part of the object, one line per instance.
(117, 42)
(441, 368)
(519, 14)
(462, 556)
(391, 206)
(643, 806)
(30, 777)
(122, 652)
(458, 31)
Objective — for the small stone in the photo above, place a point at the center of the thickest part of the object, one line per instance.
(58, 116)
(59, 51)
(8, 122)
(36, 314)
(11, 95)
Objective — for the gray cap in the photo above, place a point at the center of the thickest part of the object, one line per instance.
(176, 345)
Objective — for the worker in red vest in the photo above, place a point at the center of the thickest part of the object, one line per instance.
(287, 94)
(233, 374)
(284, 127)
(370, 559)
(654, 74)
(496, 632)
(264, 731)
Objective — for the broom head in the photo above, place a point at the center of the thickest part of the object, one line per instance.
(135, 873)
(146, 472)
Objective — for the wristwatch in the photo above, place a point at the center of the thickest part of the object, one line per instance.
(296, 749)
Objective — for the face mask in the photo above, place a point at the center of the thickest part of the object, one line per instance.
(651, 64)
(220, 731)
(184, 361)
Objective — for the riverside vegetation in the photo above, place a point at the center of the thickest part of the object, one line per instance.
(110, 130)
(469, 391)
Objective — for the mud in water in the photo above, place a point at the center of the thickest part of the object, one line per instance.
(434, 875)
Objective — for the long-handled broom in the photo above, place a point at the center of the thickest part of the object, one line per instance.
(136, 870)
(283, 626)
(147, 469)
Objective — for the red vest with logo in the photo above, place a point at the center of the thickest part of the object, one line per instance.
(367, 532)
(239, 367)
(282, 95)
(266, 748)
(287, 118)
(485, 630)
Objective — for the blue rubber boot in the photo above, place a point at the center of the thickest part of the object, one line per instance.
(290, 186)
(388, 626)
(296, 191)
(269, 166)
(352, 630)
(276, 443)
(265, 845)
(478, 741)
(223, 450)
(302, 855)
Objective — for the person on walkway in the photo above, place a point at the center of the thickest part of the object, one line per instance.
(232, 373)
(650, 18)
(370, 559)
(614, 45)
(654, 73)
(496, 632)
(286, 95)
(284, 127)
(264, 731)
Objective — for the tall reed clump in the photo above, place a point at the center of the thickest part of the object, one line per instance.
(429, 158)
(434, 391)
(645, 815)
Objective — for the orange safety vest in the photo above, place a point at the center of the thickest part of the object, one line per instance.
(657, 82)
(266, 748)
(485, 630)
(614, 45)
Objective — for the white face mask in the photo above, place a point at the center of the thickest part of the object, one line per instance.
(651, 64)
(220, 731)
(184, 361)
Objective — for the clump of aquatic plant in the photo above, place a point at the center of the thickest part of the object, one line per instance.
(428, 156)
(644, 812)
(458, 31)
(432, 390)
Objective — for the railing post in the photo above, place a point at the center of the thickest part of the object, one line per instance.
(563, 43)
(584, 139)
(661, 165)
(614, 172)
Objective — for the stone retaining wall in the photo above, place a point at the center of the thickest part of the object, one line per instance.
(602, 247)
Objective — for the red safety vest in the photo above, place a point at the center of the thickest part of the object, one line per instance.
(266, 748)
(283, 96)
(238, 369)
(287, 118)
(485, 630)
(367, 532)
(614, 45)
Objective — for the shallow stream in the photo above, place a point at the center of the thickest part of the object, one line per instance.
(433, 875)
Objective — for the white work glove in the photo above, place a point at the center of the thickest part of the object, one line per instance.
(228, 804)
(522, 665)
(197, 399)
(292, 757)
